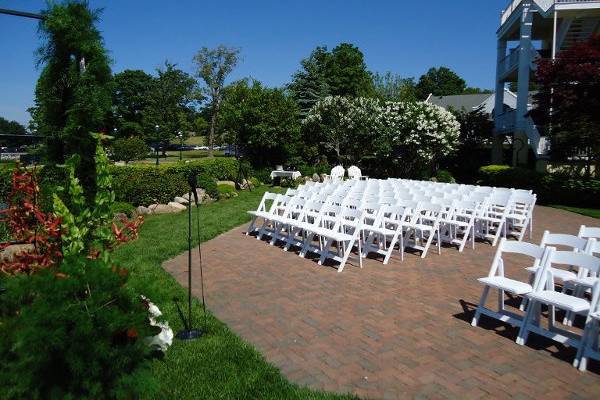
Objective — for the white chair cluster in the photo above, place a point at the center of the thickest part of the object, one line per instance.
(338, 172)
(331, 218)
(574, 261)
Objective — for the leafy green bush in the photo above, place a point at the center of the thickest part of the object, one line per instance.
(147, 184)
(208, 183)
(129, 149)
(226, 191)
(75, 331)
(444, 176)
(254, 181)
(262, 174)
(550, 188)
(122, 207)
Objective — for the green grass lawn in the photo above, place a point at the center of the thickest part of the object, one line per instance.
(590, 212)
(219, 365)
(173, 156)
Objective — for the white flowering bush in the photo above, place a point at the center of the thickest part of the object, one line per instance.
(394, 138)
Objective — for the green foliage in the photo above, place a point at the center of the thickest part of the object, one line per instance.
(171, 104)
(392, 87)
(74, 331)
(147, 184)
(254, 181)
(346, 72)
(131, 96)
(11, 128)
(129, 149)
(122, 207)
(226, 191)
(262, 120)
(208, 183)
(86, 229)
(550, 188)
(72, 96)
(309, 84)
(440, 82)
(213, 66)
(442, 175)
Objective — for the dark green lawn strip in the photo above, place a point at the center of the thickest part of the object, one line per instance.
(221, 365)
(590, 212)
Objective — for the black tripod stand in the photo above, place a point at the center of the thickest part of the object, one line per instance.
(241, 176)
(189, 332)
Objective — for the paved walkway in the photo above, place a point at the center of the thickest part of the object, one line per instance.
(400, 330)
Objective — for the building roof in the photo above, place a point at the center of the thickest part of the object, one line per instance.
(467, 102)
(470, 102)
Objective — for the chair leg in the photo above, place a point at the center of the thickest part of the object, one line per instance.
(325, 251)
(524, 331)
(500, 300)
(251, 226)
(427, 244)
(581, 358)
(390, 249)
(482, 300)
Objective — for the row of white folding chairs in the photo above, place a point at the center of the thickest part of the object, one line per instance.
(381, 224)
(578, 269)
(505, 212)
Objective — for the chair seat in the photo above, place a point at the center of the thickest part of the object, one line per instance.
(560, 300)
(382, 231)
(421, 227)
(337, 236)
(558, 273)
(588, 281)
(507, 284)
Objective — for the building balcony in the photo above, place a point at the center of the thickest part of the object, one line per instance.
(509, 65)
(545, 6)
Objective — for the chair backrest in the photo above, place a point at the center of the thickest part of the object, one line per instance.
(589, 232)
(337, 172)
(354, 172)
(267, 197)
(523, 248)
(562, 239)
(545, 280)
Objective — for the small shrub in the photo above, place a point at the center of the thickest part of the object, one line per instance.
(255, 182)
(444, 176)
(122, 207)
(75, 331)
(263, 174)
(208, 183)
(129, 149)
(226, 191)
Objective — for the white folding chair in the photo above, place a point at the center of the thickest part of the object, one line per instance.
(424, 227)
(588, 347)
(460, 224)
(589, 232)
(386, 232)
(345, 233)
(264, 210)
(355, 173)
(544, 293)
(497, 279)
(337, 174)
(520, 215)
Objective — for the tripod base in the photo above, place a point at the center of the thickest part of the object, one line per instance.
(189, 334)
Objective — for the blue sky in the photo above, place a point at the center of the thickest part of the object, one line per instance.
(405, 37)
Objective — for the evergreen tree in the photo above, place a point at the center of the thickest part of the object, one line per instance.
(440, 81)
(346, 72)
(72, 96)
(309, 84)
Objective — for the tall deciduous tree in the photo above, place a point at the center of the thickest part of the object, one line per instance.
(309, 84)
(346, 72)
(440, 81)
(568, 101)
(262, 120)
(213, 66)
(171, 104)
(132, 90)
(393, 87)
(72, 96)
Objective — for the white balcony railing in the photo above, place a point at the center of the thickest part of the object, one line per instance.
(542, 4)
(511, 61)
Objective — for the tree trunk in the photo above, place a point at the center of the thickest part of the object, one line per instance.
(211, 133)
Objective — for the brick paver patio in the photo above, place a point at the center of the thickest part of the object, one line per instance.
(400, 330)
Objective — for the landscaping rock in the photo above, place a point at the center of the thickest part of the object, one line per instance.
(230, 183)
(141, 210)
(322, 177)
(11, 251)
(164, 209)
(181, 200)
(176, 205)
(315, 177)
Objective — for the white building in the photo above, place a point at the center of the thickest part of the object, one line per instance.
(530, 29)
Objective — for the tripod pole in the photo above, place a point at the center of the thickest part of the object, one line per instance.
(200, 260)
(190, 262)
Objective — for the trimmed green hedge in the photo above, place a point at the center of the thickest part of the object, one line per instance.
(550, 188)
(141, 184)
(147, 184)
